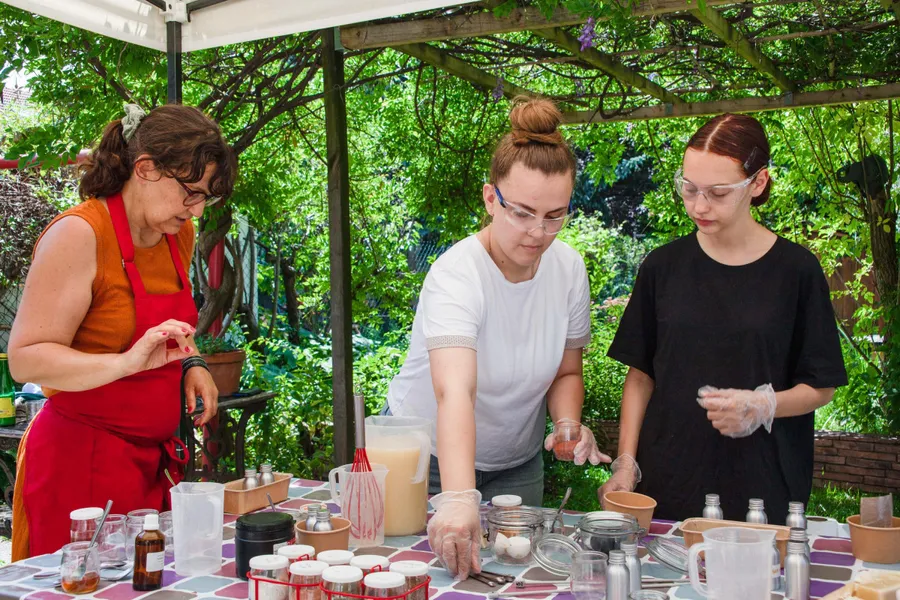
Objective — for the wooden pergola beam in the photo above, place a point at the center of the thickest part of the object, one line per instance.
(786, 102)
(459, 68)
(720, 26)
(608, 65)
(366, 36)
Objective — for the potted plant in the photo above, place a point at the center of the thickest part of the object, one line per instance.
(225, 362)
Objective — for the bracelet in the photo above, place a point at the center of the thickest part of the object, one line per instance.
(193, 361)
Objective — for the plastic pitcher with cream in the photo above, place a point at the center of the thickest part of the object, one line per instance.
(403, 445)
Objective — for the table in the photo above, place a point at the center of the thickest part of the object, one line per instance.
(833, 565)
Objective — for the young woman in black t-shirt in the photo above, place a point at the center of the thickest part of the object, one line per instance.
(731, 342)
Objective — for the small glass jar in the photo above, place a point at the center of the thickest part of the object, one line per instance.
(134, 526)
(111, 541)
(416, 573)
(166, 527)
(335, 558)
(79, 570)
(551, 523)
(341, 580)
(307, 573)
(588, 575)
(370, 563)
(511, 533)
(295, 552)
(83, 523)
(385, 585)
(274, 569)
(568, 434)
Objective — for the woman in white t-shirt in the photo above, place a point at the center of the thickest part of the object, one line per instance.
(498, 338)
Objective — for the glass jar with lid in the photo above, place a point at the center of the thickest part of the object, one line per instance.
(307, 573)
(335, 558)
(341, 580)
(268, 574)
(295, 552)
(416, 573)
(603, 531)
(370, 563)
(506, 501)
(511, 532)
(385, 585)
(83, 523)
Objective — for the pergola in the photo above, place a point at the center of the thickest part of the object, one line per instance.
(637, 59)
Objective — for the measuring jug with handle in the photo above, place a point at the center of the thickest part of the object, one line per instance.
(403, 445)
(738, 563)
(198, 510)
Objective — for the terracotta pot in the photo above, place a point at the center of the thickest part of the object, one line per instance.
(336, 539)
(225, 368)
(637, 505)
(875, 544)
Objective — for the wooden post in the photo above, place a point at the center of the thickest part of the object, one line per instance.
(339, 243)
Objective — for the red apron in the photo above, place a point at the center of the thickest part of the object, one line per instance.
(112, 442)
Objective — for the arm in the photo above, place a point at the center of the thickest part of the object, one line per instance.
(453, 374)
(801, 399)
(635, 397)
(565, 398)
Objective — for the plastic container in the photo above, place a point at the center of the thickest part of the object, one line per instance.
(336, 539)
(568, 434)
(639, 506)
(197, 516)
(875, 544)
(341, 580)
(416, 573)
(384, 585)
(297, 552)
(370, 563)
(511, 532)
(308, 573)
(83, 523)
(260, 534)
(335, 558)
(273, 568)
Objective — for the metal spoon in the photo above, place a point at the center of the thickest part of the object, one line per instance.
(272, 504)
(117, 564)
(561, 506)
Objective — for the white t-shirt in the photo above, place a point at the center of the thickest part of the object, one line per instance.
(519, 331)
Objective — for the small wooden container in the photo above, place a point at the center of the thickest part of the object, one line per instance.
(693, 531)
(875, 544)
(239, 501)
(336, 539)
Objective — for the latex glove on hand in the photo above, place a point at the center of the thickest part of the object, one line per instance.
(738, 413)
(626, 474)
(454, 532)
(585, 450)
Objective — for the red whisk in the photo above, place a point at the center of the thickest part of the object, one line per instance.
(364, 502)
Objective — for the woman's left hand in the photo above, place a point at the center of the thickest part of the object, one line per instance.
(585, 450)
(198, 382)
(738, 413)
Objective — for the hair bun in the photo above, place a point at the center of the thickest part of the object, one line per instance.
(535, 120)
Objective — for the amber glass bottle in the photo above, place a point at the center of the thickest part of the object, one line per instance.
(149, 556)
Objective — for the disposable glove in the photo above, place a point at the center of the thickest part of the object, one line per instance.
(738, 413)
(626, 474)
(585, 450)
(454, 532)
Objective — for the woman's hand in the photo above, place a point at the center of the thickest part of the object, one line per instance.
(626, 474)
(586, 450)
(738, 413)
(151, 351)
(198, 382)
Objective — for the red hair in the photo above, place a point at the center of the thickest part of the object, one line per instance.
(739, 137)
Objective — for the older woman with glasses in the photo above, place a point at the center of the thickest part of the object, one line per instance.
(106, 324)
(731, 342)
(497, 340)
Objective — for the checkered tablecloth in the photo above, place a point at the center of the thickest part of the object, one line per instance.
(832, 565)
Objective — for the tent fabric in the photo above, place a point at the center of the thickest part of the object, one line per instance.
(230, 22)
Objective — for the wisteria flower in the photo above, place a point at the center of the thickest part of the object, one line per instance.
(588, 35)
(497, 92)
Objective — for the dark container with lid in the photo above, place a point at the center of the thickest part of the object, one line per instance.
(260, 533)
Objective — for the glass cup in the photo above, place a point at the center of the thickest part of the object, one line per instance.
(112, 539)
(79, 570)
(134, 525)
(588, 575)
(166, 527)
(568, 434)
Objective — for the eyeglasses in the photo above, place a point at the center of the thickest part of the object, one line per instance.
(720, 195)
(194, 197)
(527, 221)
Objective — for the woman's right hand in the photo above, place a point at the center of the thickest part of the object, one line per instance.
(151, 351)
(626, 474)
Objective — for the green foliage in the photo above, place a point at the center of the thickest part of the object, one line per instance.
(839, 503)
(210, 344)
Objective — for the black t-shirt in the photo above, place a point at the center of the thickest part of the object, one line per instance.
(691, 322)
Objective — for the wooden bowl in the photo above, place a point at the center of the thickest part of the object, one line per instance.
(639, 506)
(875, 544)
(336, 539)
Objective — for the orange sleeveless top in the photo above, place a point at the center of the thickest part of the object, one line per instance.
(109, 323)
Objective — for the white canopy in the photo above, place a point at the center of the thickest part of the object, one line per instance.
(229, 22)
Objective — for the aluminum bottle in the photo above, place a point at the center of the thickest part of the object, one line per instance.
(757, 512)
(312, 515)
(323, 522)
(796, 572)
(713, 510)
(617, 580)
(633, 563)
(796, 515)
(265, 474)
(251, 481)
(800, 536)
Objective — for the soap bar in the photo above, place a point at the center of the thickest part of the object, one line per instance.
(877, 585)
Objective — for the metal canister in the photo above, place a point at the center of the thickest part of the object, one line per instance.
(617, 579)
(796, 515)
(757, 512)
(633, 563)
(251, 481)
(796, 572)
(800, 536)
(323, 520)
(312, 515)
(265, 474)
(713, 509)
(777, 577)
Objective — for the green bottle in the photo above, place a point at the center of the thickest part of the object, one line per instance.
(7, 395)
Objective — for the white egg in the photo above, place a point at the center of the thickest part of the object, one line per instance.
(501, 544)
(519, 547)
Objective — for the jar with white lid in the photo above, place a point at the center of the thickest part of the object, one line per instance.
(416, 573)
(295, 552)
(385, 585)
(274, 569)
(511, 532)
(335, 558)
(370, 563)
(506, 501)
(307, 573)
(341, 580)
(83, 523)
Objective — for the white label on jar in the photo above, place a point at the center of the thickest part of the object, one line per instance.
(278, 547)
(156, 561)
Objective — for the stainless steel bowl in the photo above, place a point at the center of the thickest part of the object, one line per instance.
(603, 531)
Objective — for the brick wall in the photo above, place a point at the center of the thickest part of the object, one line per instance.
(870, 463)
